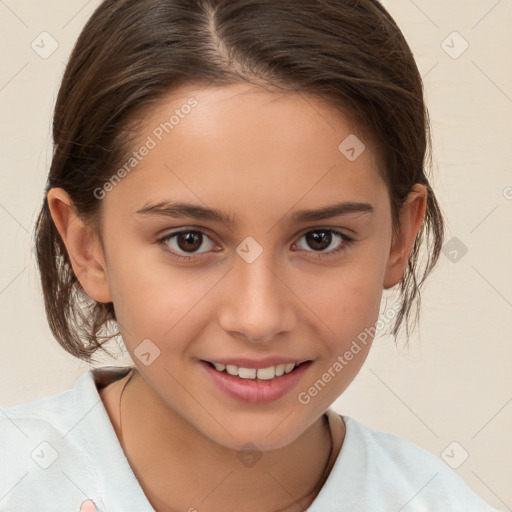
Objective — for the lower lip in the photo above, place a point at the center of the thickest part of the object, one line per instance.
(256, 391)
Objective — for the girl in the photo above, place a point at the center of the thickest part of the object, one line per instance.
(233, 186)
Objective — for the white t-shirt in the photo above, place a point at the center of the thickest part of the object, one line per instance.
(61, 450)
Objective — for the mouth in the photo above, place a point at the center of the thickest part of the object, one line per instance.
(255, 385)
(268, 373)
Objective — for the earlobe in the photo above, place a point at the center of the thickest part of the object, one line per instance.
(82, 244)
(411, 220)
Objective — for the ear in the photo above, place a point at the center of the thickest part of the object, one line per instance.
(411, 219)
(82, 244)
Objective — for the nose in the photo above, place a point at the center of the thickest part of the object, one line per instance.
(258, 304)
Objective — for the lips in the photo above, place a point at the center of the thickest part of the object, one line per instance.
(255, 390)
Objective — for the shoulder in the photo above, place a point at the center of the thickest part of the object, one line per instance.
(22, 426)
(59, 451)
(41, 447)
(392, 448)
(386, 472)
(422, 478)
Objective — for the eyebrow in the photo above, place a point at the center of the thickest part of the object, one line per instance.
(180, 210)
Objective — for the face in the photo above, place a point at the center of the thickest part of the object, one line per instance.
(260, 283)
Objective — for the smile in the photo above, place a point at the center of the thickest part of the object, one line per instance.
(268, 373)
(255, 385)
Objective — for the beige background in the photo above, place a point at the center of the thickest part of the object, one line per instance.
(455, 381)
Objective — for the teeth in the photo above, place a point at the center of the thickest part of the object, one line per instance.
(232, 369)
(265, 373)
(252, 373)
(247, 373)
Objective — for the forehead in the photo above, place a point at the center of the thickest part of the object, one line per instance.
(251, 147)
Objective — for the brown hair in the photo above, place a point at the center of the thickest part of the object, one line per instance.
(131, 53)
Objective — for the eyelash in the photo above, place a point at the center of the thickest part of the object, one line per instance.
(347, 242)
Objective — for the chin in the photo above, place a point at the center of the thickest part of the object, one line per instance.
(249, 434)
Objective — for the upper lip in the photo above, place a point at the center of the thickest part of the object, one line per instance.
(256, 363)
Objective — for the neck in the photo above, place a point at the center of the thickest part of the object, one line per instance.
(176, 464)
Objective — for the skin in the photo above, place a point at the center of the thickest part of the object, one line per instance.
(88, 506)
(258, 156)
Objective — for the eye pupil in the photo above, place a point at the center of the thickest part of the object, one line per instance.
(319, 239)
(190, 237)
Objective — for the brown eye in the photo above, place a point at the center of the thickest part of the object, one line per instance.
(325, 242)
(184, 242)
(319, 240)
(189, 241)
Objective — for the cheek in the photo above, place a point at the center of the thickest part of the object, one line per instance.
(153, 298)
(348, 304)
(347, 297)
